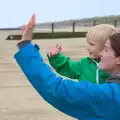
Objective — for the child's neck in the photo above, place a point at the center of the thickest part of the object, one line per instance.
(97, 59)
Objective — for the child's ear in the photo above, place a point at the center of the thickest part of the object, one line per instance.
(118, 61)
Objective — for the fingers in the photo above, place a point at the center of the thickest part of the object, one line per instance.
(28, 30)
(32, 21)
(30, 25)
(54, 50)
(58, 47)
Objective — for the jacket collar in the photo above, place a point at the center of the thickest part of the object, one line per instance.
(92, 60)
(114, 79)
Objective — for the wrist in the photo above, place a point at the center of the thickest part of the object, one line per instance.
(21, 44)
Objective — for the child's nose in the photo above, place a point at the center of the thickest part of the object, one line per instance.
(89, 48)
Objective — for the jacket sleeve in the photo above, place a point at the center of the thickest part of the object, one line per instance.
(65, 66)
(77, 99)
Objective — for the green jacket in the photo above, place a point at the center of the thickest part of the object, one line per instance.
(84, 69)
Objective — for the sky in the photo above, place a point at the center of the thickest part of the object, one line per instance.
(17, 12)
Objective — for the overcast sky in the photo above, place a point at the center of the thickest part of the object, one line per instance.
(17, 12)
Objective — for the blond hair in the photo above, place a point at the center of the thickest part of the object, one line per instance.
(100, 34)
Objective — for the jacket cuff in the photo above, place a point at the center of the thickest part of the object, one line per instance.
(23, 43)
(26, 42)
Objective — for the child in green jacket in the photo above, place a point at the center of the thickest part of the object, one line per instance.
(86, 68)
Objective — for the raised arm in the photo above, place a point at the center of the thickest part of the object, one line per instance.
(77, 99)
(65, 66)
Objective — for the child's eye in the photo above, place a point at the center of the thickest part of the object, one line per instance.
(91, 44)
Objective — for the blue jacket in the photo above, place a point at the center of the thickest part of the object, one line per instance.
(81, 100)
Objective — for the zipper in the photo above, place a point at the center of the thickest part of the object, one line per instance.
(97, 72)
